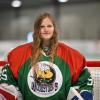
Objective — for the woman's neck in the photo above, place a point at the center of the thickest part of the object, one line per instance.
(46, 47)
(46, 43)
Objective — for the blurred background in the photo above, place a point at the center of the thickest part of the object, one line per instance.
(78, 23)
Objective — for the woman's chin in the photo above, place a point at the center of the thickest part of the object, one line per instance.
(46, 38)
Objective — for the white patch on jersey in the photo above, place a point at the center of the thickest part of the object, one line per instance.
(47, 81)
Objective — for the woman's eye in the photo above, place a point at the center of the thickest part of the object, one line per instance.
(41, 26)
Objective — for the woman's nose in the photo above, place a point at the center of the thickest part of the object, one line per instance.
(46, 29)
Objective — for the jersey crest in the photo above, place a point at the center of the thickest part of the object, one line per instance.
(46, 81)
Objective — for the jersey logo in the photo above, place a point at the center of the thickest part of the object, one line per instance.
(46, 81)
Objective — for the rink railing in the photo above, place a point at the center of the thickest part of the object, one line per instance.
(91, 63)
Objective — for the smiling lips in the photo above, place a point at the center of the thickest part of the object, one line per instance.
(46, 33)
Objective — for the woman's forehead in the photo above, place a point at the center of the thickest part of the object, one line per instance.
(46, 20)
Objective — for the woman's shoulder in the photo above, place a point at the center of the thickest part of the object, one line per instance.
(64, 47)
(21, 47)
(19, 52)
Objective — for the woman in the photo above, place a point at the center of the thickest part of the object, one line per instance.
(46, 69)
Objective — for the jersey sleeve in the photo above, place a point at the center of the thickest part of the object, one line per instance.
(6, 76)
(8, 85)
(9, 74)
(85, 81)
(84, 85)
(80, 76)
(82, 79)
(17, 57)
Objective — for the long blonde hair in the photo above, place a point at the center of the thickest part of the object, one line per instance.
(36, 49)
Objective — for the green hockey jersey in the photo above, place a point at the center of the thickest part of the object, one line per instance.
(52, 81)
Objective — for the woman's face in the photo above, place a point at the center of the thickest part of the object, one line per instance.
(46, 29)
